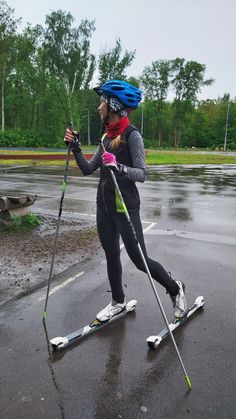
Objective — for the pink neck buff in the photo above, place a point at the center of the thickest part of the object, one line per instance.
(117, 128)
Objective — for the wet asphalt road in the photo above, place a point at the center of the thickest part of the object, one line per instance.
(113, 374)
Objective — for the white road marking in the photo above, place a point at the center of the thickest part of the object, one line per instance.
(78, 214)
(83, 214)
(144, 231)
(205, 237)
(55, 212)
(58, 287)
(69, 280)
(148, 227)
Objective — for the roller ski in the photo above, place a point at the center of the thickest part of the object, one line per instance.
(154, 341)
(59, 343)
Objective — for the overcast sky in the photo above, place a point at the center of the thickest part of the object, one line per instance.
(201, 30)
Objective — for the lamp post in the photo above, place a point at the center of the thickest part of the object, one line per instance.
(226, 128)
(142, 120)
(89, 140)
(88, 126)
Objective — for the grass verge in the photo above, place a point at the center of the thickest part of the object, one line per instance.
(153, 157)
(21, 223)
(173, 157)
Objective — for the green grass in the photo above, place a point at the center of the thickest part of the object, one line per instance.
(36, 162)
(24, 223)
(156, 157)
(178, 157)
(26, 152)
(14, 152)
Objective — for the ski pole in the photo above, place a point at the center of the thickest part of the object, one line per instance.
(148, 272)
(64, 183)
(63, 189)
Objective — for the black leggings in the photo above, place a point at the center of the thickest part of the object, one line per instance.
(110, 227)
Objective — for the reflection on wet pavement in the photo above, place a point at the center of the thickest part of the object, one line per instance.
(112, 374)
(212, 178)
(188, 195)
(182, 214)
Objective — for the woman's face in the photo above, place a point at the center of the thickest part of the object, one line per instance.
(103, 110)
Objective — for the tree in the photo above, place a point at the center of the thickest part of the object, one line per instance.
(67, 55)
(187, 81)
(111, 65)
(8, 26)
(24, 77)
(156, 81)
(134, 81)
(90, 123)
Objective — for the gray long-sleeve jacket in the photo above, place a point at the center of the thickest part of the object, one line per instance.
(130, 154)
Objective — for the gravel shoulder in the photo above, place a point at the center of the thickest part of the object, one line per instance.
(25, 257)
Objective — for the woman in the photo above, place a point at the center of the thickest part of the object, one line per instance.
(125, 156)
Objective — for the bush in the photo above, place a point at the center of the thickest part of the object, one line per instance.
(232, 146)
(28, 138)
(150, 143)
(18, 138)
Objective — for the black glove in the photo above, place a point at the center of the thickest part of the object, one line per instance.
(75, 145)
(72, 138)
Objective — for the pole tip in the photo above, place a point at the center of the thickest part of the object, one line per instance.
(188, 382)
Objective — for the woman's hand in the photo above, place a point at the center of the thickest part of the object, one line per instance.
(72, 138)
(109, 160)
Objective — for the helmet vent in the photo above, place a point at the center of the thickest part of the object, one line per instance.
(128, 95)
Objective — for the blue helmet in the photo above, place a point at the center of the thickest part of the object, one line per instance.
(128, 95)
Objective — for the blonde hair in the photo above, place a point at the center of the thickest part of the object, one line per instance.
(117, 141)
